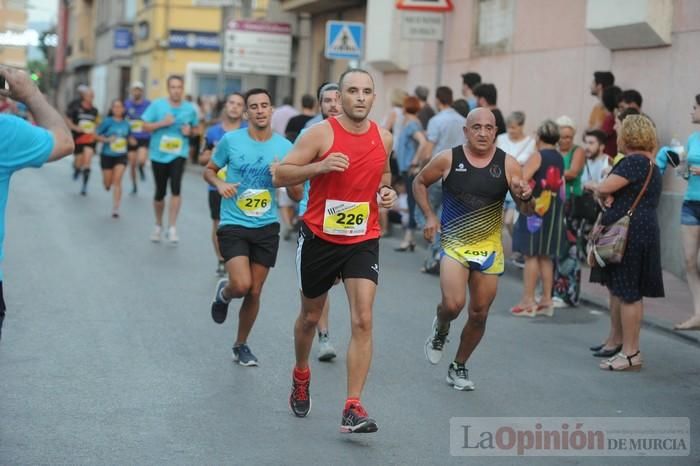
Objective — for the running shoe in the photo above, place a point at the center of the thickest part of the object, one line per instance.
(458, 377)
(355, 420)
(300, 399)
(243, 356)
(142, 173)
(172, 235)
(435, 343)
(76, 174)
(157, 234)
(219, 307)
(134, 190)
(115, 214)
(326, 352)
(221, 269)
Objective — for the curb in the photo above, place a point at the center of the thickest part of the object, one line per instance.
(600, 304)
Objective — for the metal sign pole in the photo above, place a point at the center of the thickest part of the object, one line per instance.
(221, 79)
(440, 56)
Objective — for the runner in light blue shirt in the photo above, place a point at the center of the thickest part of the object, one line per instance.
(172, 121)
(248, 232)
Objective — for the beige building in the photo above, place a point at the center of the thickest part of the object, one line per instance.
(540, 54)
(13, 22)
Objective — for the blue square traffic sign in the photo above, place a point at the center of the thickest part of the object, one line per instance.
(344, 40)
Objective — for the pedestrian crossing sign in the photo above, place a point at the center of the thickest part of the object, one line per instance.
(344, 40)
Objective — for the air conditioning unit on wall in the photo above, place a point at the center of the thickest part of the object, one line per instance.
(630, 24)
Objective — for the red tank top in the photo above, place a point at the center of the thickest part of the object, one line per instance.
(342, 207)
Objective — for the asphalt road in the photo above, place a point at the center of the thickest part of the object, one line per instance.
(109, 354)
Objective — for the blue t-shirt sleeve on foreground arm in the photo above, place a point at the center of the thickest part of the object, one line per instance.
(23, 145)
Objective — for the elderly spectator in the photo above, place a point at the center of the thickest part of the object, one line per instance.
(639, 274)
(411, 143)
(521, 146)
(540, 236)
(23, 145)
(567, 273)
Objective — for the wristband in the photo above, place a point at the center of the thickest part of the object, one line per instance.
(385, 186)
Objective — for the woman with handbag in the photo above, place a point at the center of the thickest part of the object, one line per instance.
(540, 237)
(625, 243)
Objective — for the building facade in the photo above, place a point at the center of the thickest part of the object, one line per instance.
(13, 22)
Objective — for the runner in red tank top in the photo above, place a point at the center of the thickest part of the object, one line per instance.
(347, 160)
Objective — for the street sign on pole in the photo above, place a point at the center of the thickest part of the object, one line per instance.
(258, 47)
(344, 40)
(424, 5)
(417, 25)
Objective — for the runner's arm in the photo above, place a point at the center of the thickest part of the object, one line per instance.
(299, 165)
(296, 192)
(22, 89)
(387, 194)
(436, 169)
(519, 186)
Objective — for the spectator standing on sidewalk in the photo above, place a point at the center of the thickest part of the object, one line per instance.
(487, 97)
(567, 270)
(639, 274)
(521, 146)
(611, 97)
(601, 81)
(282, 115)
(412, 142)
(426, 112)
(469, 82)
(540, 237)
(690, 214)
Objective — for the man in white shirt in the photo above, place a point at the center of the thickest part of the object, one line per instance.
(597, 164)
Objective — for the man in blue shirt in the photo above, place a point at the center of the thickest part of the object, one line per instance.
(23, 145)
(140, 139)
(231, 119)
(171, 121)
(249, 229)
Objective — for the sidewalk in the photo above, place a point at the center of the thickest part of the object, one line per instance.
(661, 313)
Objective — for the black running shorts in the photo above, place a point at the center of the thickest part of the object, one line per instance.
(260, 245)
(172, 171)
(139, 143)
(2, 308)
(319, 262)
(79, 148)
(107, 162)
(215, 205)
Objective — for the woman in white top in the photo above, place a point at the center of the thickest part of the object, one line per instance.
(521, 146)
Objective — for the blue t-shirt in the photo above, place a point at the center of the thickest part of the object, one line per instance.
(407, 145)
(21, 145)
(167, 144)
(248, 162)
(213, 136)
(692, 149)
(134, 111)
(119, 129)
